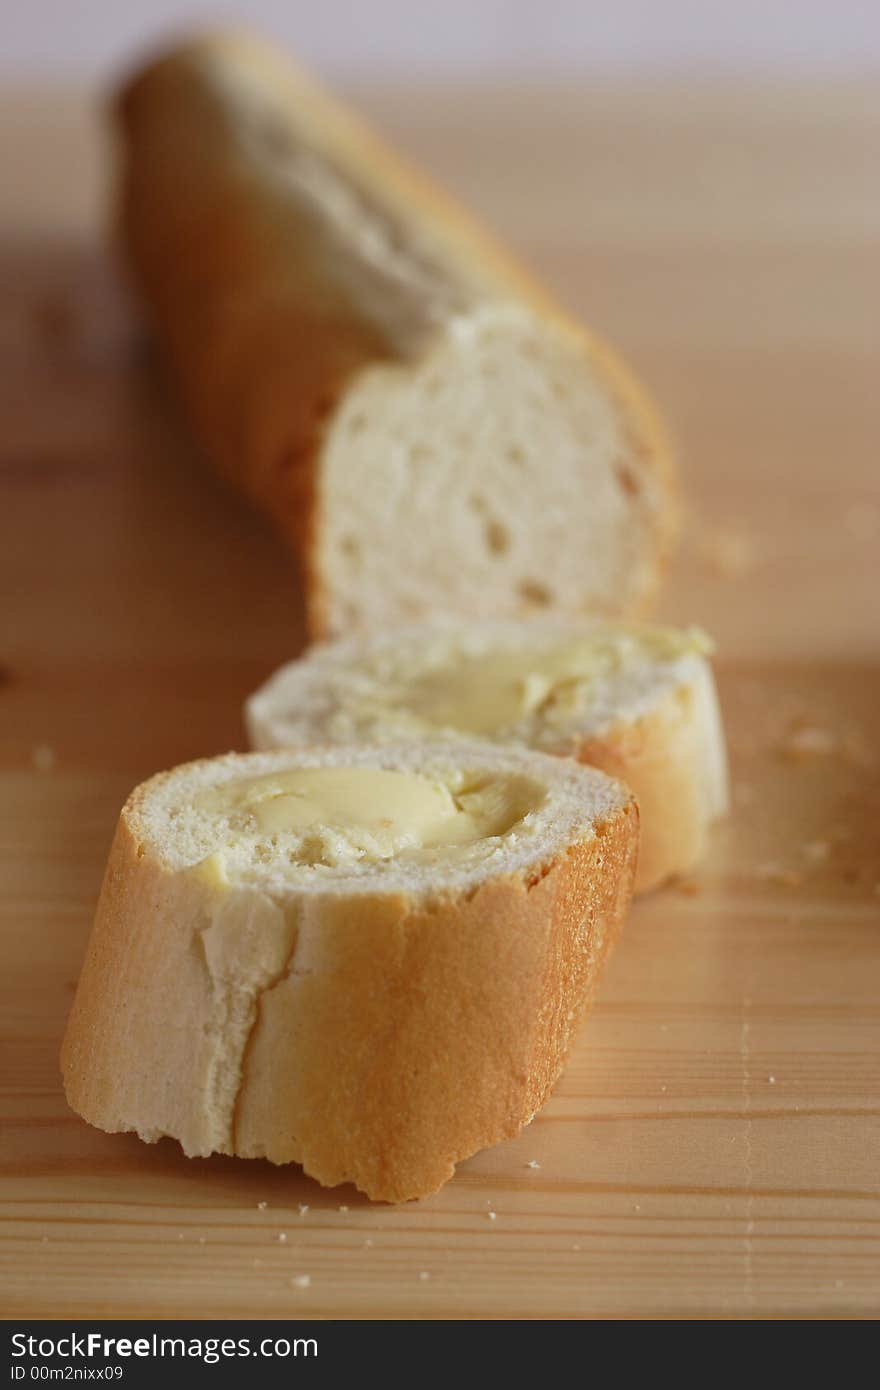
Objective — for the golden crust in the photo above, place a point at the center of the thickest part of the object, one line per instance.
(262, 331)
(463, 1017)
(112, 1055)
(419, 1032)
(661, 758)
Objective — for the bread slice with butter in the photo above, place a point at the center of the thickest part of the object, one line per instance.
(431, 430)
(370, 961)
(639, 703)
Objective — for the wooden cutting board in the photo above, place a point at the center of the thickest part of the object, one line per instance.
(713, 1148)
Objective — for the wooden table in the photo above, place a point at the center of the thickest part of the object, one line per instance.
(713, 1149)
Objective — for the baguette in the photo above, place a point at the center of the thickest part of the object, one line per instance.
(431, 431)
(639, 703)
(375, 979)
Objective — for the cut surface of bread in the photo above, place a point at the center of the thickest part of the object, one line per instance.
(428, 427)
(370, 961)
(638, 702)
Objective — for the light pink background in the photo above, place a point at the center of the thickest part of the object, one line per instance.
(365, 38)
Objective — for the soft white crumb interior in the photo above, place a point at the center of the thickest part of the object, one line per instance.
(494, 476)
(185, 832)
(375, 690)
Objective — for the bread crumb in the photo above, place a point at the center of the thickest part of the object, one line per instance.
(575, 1247)
(533, 1163)
(303, 1208)
(769, 870)
(424, 1274)
(301, 1281)
(777, 873)
(342, 1208)
(368, 1244)
(808, 741)
(261, 1206)
(726, 552)
(492, 1215)
(788, 878)
(816, 851)
(688, 887)
(43, 757)
(282, 1237)
(771, 1080)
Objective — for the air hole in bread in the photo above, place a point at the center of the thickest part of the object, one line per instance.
(628, 481)
(350, 613)
(357, 423)
(497, 537)
(538, 876)
(533, 591)
(516, 455)
(350, 546)
(495, 534)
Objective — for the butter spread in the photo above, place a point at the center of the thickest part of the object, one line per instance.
(337, 814)
(499, 689)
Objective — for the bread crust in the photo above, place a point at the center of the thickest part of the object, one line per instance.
(389, 1036)
(263, 329)
(661, 757)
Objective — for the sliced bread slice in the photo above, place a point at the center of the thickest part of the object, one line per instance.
(370, 961)
(431, 430)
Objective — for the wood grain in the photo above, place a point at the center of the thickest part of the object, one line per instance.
(712, 1149)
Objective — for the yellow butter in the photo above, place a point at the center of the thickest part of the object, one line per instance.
(367, 812)
(212, 871)
(496, 690)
